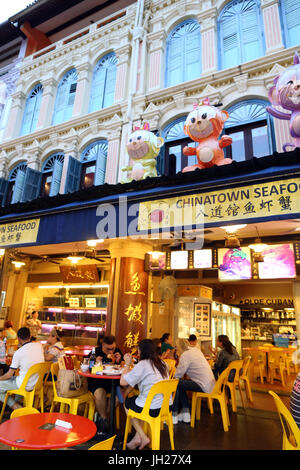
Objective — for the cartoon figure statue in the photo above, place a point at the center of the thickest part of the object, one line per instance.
(286, 93)
(204, 125)
(143, 147)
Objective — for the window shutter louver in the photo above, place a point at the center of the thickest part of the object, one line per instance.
(18, 186)
(56, 178)
(73, 175)
(100, 169)
(3, 190)
(32, 185)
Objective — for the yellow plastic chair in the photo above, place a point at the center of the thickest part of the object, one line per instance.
(290, 363)
(166, 388)
(259, 360)
(171, 363)
(276, 362)
(291, 432)
(28, 396)
(23, 412)
(73, 403)
(244, 377)
(237, 367)
(104, 445)
(219, 394)
(40, 386)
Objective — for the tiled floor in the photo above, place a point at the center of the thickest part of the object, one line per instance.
(255, 428)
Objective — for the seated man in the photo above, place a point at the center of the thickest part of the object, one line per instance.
(201, 379)
(108, 353)
(28, 354)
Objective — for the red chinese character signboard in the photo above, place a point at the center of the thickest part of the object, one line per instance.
(132, 305)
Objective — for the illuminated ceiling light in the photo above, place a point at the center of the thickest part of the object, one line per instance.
(94, 242)
(75, 286)
(233, 228)
(297, 229)
(2, 251)
(258, 246)
(18, 264)
(74, 259)
(155, 254)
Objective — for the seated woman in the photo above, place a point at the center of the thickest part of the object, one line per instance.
(54, 348)
(166, 347)
(227, 354)
(149, 370)
(8, 331)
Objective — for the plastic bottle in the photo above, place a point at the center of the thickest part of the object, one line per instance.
(92, 359)
(3, 351)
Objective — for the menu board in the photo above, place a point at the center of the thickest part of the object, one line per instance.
(179, 260)
(202, 259)
(202, 318)
(279, 262)
(234, 263)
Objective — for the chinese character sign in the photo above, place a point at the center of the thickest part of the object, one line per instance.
(132, 305)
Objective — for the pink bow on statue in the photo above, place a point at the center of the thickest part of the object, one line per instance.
(145, 127)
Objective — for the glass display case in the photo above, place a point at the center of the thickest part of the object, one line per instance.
(80, 313)
(226, 321)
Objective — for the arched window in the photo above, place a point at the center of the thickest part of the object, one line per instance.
(93, 160)
(103, 83)
(51, 175)
(183, 53)
(173, 160)
(16, 181)
(240, 33)
(65, 97)
(32, 110)
(251, 129)
(291, 21)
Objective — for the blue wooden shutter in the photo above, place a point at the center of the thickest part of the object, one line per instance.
(65, 97)
(98, 85)
(32, 185)
(292, 18)
(175, 62)
(56, 178)
(32, 110)
(250, 34)
(192, 54)
(100, 168)
(3, 190)
(110, 84)
(18, 186)
(73, 175)
(230, 42)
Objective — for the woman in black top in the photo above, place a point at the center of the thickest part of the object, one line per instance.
(227, 354)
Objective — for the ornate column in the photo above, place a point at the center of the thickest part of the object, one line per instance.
(272, 27)
(81, 103)
(47, 104)
(3, 164)
(112, 161)
(128, 293)
(156, 41)
(207, 21)
(33, 157)
(16, 115)
(123, 55)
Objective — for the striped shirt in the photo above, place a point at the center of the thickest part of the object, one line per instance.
(295, 401)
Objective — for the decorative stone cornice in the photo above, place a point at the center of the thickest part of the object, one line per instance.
(268, 3)
(156, 40)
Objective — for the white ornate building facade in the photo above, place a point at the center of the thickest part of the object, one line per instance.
(77, 99)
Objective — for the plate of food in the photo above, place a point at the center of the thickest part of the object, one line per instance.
(111, 372)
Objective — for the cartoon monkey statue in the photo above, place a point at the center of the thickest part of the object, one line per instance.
(204, 125)
(286, 93)
(142, 147)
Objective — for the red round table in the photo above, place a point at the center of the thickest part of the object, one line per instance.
(24, 431)
(113, 379)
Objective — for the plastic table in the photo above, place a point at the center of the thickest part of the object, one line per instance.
(24, 431)
(113, 379)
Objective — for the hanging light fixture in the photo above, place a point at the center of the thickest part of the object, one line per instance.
(232, 240)
(18, 265)
(258, 247)
(74, 259)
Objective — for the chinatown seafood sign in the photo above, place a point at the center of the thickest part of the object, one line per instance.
(132, 309)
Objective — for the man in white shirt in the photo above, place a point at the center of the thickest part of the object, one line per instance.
(28, 354)
(201, 379)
